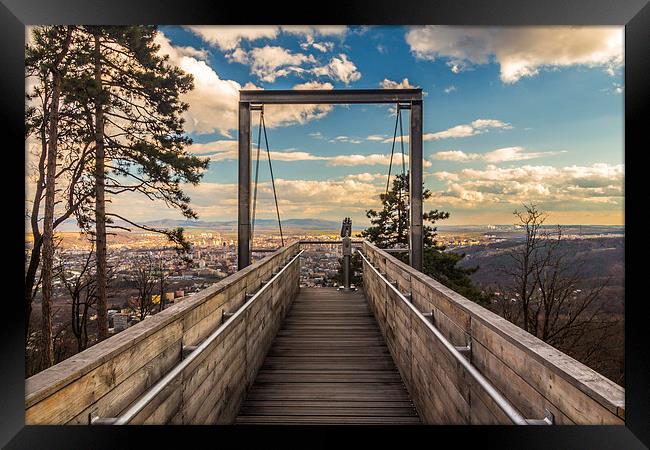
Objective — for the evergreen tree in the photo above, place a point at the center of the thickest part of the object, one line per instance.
(130, 96)
(48, 62)
(62, 155)
(390, 228)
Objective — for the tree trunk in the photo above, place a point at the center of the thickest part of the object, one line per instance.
(48, 232)
(30, 281)
(48, 216)
(161, 304)
(100, 206)
(35, 257)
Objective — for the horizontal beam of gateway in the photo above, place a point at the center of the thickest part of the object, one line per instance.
(330, 96)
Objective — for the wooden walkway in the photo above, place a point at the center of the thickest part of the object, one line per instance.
(328, 364)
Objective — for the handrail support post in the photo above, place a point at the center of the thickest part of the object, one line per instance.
(549, 419)
(465, 350)
(96, 420)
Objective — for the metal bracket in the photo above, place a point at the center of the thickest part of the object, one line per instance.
(404, 106)
(187, 349)
(466, 350)
(96, 420)
(549, 419)
(342, 288)
(409, 296)
(249, 296)
(225, 315)
(257, 107)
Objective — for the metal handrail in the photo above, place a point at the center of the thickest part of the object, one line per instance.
(494, 394)
(318, 242)
(156, 389)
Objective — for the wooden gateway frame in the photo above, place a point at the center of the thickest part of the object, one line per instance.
(404, 99)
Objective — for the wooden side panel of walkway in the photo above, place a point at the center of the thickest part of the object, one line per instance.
(328, 364)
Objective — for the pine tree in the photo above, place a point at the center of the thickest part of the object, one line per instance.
(390, 225)
(62, 157)
(140, 144)
(390, 228)
(52, 68)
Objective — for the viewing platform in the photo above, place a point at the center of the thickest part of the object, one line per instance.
(257, 348)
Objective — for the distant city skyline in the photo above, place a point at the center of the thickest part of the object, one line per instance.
(511, 115)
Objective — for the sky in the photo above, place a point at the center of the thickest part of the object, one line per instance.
(511, 115)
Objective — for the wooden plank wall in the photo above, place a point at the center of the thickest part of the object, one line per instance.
(531, 374)
(107, 378)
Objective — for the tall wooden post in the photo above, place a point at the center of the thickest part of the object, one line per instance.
(415, 187)
(244, 189)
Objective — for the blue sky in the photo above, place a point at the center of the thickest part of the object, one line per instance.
(511, 115)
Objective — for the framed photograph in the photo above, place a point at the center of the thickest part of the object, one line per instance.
(404, 221)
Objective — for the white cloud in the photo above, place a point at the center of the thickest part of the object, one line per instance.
(316, 30)
(450, 89)
(213, 101)
(297, 198)
(270, 62)
(323, 46)
(505, 154)
(226, 150)
(346, 139)
(598, 183)
(340, 68)
(221, 146)
(376, 137)
(454, 132)
(284, 115)
(520, 51)
(456, 155)
(515, 154)
(390, 84)
(478, 126)
(372, 160)
(229, 37)
(366, 177)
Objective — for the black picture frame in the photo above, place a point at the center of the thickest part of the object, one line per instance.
(633, 14)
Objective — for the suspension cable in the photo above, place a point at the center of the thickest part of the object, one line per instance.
(392, 149)
(401, 138)
(275, 196)
(401, 191)
(257, 171)
(398, 121)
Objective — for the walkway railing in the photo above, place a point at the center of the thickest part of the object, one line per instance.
(188, 364)
(455, 352)
(194, 362)
(198, 352)
(463, 364)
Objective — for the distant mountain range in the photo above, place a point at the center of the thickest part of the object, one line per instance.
(228, 225)
(334, 225)
(260, 224)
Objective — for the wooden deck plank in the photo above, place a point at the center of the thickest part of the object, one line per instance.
(328, 364)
